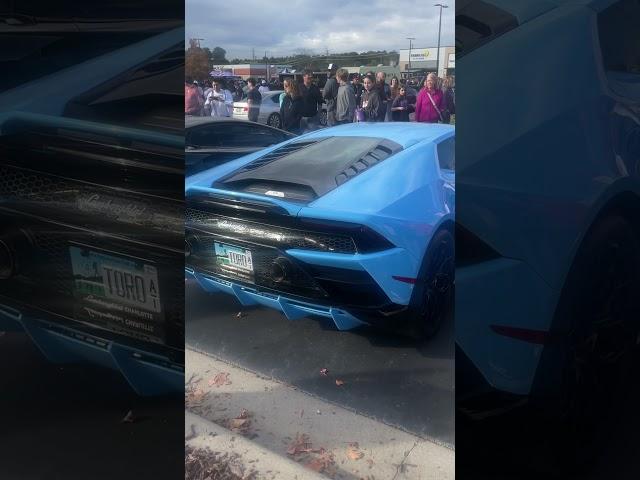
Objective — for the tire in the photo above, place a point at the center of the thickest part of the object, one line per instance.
(274, 120)
(432, 301)
(596, 326)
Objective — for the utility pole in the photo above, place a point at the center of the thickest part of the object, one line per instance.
(253, 54)
(439, 31)
(410, 40)
(266, 67)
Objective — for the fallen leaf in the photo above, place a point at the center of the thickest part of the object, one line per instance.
(340, 382)
(237, 423)
(301, 444)
(195, 397)
(353, 451)
(220, 379)
(323, 463)
(317, 465)
(324, 372)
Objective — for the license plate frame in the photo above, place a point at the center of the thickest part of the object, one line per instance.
(234, 260)
(118, 292)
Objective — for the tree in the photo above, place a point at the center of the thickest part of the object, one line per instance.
(218, 55)
(196, 62)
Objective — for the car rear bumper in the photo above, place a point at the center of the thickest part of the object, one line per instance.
(495, 296)
(147, 373)
(475, 397)
(292, 308)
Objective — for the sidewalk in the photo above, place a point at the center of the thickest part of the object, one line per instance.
(285, 429)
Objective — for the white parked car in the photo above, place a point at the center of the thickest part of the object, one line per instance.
(269, 109)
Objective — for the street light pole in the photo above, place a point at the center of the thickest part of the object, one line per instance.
(410, 39)
(439, 31)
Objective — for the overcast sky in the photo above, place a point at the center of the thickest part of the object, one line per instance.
(283, 28)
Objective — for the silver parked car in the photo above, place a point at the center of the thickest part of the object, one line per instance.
(269, 109)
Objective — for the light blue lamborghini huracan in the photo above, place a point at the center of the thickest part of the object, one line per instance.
(548, 242)
(353, 223)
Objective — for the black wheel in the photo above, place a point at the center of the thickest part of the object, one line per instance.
(597, 329)
(432, 301)
(274, 120)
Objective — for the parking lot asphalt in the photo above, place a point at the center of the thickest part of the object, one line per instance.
(389, 377)
(65, 422)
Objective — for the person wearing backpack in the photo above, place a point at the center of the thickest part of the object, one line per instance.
(430, 102)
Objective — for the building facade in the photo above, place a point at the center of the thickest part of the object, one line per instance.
(425, 59)
(255, 70)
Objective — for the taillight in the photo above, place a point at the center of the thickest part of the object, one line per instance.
(528, 335)
(245, 109)
(408, 280)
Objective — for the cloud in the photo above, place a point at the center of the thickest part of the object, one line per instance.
(335, 25)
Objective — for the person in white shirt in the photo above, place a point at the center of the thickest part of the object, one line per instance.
(263, 87)
(207, 90)
(220, 100)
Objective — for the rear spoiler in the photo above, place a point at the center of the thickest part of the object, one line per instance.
(241, 200)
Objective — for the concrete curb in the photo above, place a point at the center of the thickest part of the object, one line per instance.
(280, 412)
(267, 464)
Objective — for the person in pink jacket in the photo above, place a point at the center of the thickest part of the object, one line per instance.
(430, 102)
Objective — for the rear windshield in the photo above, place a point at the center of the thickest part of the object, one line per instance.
(149, 96)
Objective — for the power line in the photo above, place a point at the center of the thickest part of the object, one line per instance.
(410, 40)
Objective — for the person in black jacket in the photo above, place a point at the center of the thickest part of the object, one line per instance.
(312, 100)
(292, 107)
(400, 107)
(384, 90)
(371, 103)
(254, 99)
(449, 99)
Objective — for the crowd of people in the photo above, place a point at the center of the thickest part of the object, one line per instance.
(347, 99)
(373, 99)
